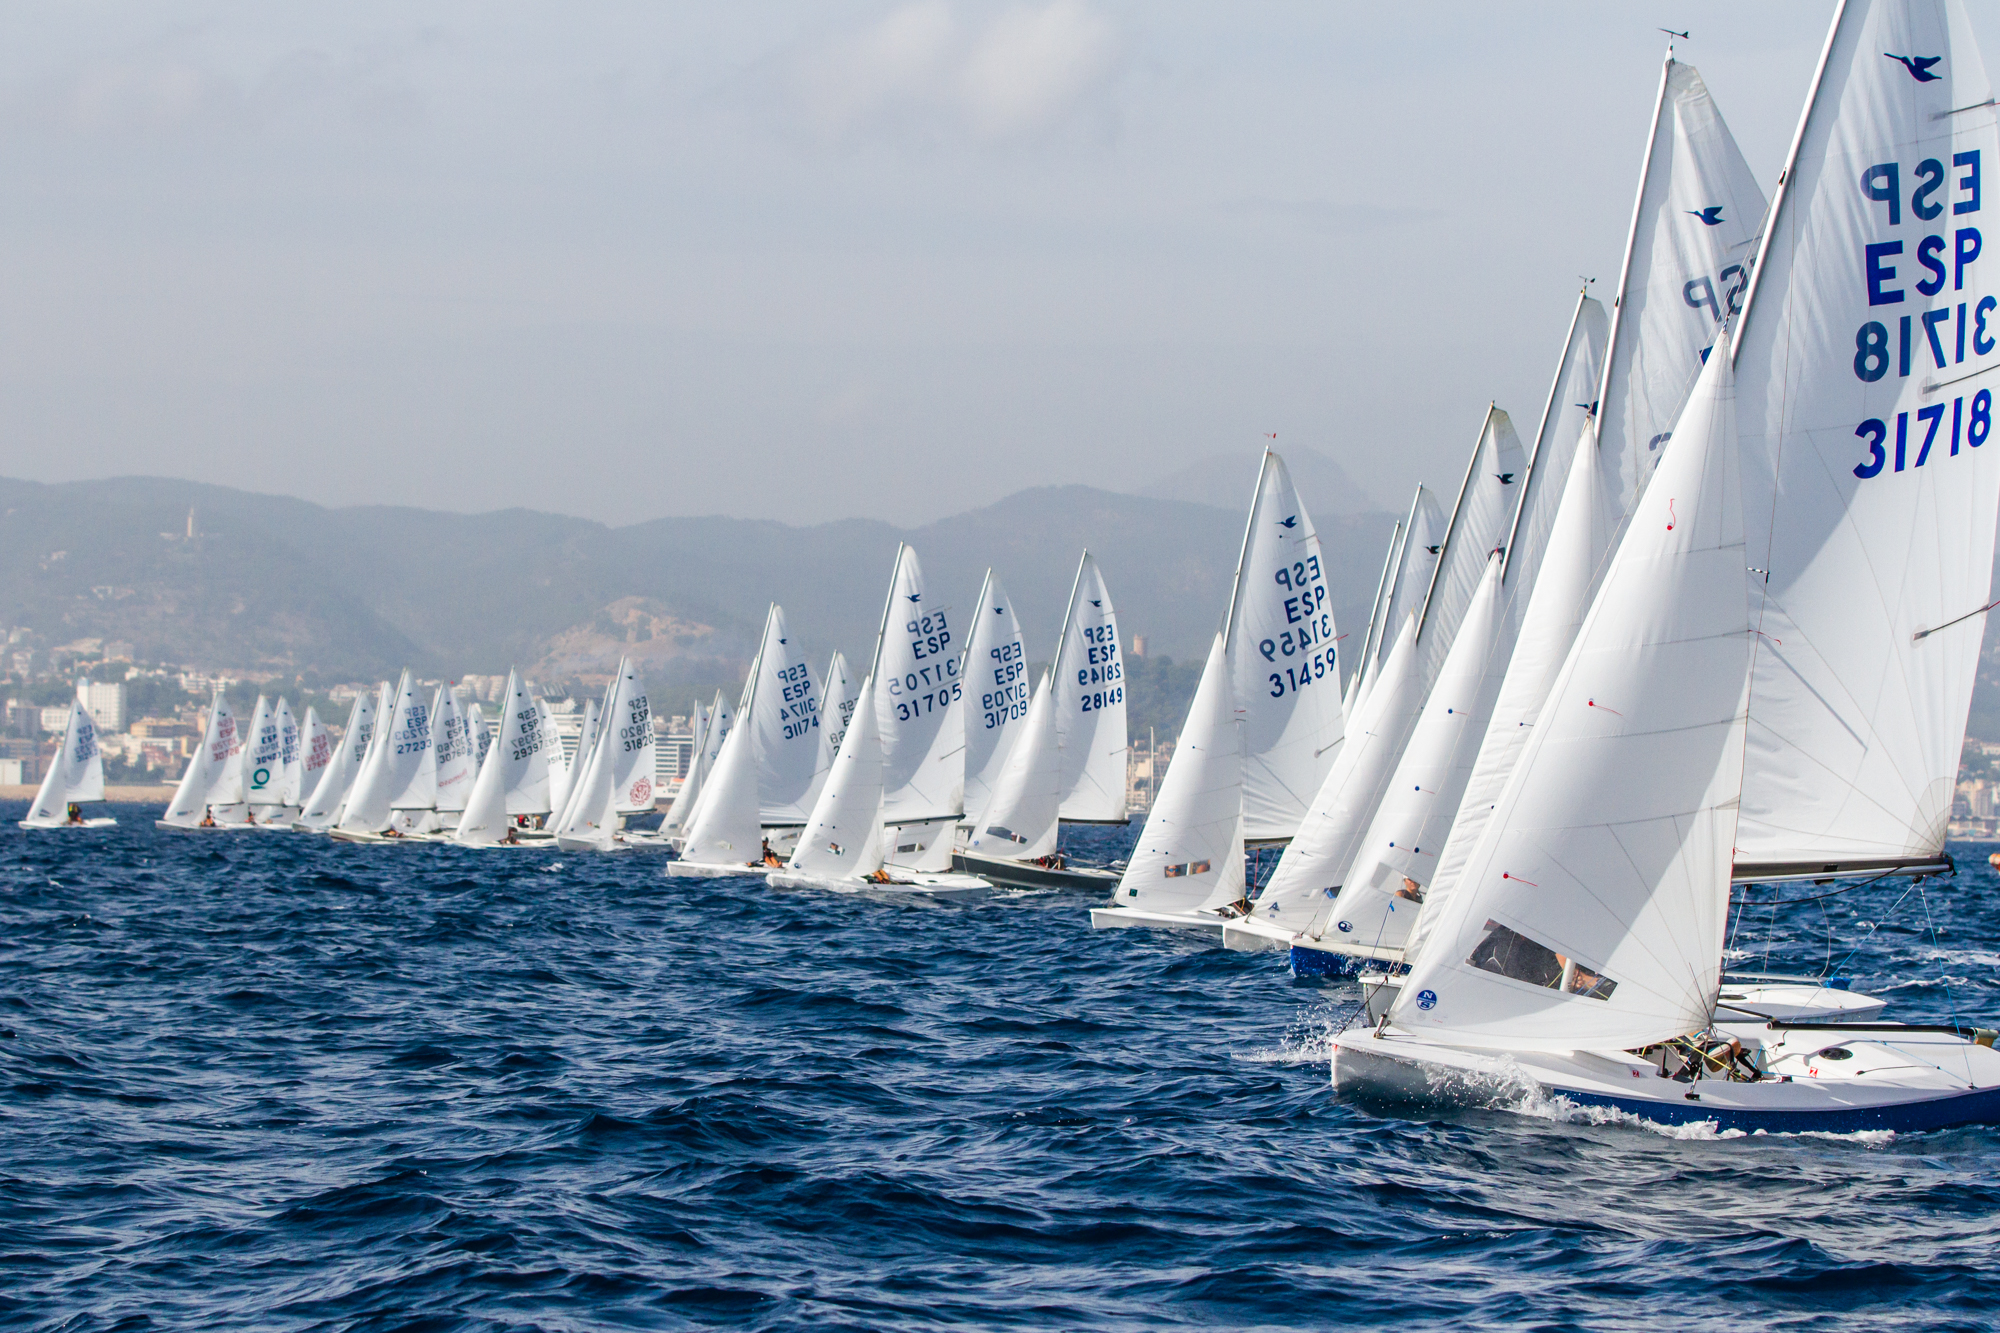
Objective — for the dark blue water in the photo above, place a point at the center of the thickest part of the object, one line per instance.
(273, 1082)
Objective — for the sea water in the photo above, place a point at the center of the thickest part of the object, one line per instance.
(270, 1081)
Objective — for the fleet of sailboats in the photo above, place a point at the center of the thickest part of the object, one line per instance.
(1717, 623)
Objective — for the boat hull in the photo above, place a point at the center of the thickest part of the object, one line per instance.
(925, 885)
(1129, 918)
(1395, 1066)
(1007, 874)
(105, 821)
(714, 870)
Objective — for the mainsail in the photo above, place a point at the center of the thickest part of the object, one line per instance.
(1867, 341)
(1284, 668)
(996, 693)
(214, 775)
(843, 839)
(1089, 683)
(916, 674)
(76, 773)
(782, 725)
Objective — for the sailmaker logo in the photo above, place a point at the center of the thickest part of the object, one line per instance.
(642, 791)
(1427, 999)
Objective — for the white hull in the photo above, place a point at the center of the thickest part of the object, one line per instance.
(1113, 918)
(714, 870)
(1253, 934)
(105, 821)
(926, 884)
(1825, 1078)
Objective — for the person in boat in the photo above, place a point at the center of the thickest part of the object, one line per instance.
(770, 857)
(1053, 861)
(75, 813)
(207, 819)
(511, 838)
(1411, 892)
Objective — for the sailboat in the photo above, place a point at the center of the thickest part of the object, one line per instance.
(903, 753)
(322, 809)
(1265, 734)
(398, 778)
(1582, 949)
(997, 692)
(213, 780)
(617, 774)
(456, 762)
(711, 728)
(1334, 899)
(767, 773)
(75, 777)
(1061, 767)
(270, 766)
(512, 786)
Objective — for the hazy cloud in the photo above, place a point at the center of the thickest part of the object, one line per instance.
(931, 66)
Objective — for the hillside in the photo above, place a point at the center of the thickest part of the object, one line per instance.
(281, 584)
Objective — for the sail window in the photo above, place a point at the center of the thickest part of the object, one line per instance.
(1510, 954)
(996, 831)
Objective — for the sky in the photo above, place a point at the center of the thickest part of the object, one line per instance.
(847, 259)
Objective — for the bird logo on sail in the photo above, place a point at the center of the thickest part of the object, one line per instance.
(915, 596)
(1919, 66)
(1291, 522)
(1710, 216)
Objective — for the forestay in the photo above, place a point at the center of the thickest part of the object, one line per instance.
(1869, 338)
(1591, 914)
(1189, 857)
(1687, 261)
(1285, 671)
(996, 694)
(1089, 684)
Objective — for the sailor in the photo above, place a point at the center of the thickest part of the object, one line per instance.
(75, 813)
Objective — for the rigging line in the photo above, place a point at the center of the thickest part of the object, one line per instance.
(1944, 978)
(1926, 633)
(1932, 386)
(1874, 928)
(1859, 884)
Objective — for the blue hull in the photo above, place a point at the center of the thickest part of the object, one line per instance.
(1966, 1108)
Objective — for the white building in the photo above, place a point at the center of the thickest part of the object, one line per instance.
(105, 702)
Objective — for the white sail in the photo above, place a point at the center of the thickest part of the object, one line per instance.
(726, 829)
(634, 756)
(394, 765)
(76, 773)
(1555, 609)
(591, 817)
(208, 779)
(563, 772)
(475, 722)
(708, 748)
(916, 673)
(843, 839)
(1398, 856)
(1020, 822)
(996, 693)
(675, 821)
(784, 725)
(513, 779)
(1285, 672)
(1867, 342)
(316, 749)
(1687, 261)
(1591, 914)
(1089, 678)
(1415, 566)
(451, 741)
(1189, 857)
(1358, 659)
(1566, 424)
(263, 762)
(322, 807)
(837, 701)
(414, 736)
(1301, 890)
(1480, 523)
(291, 755)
